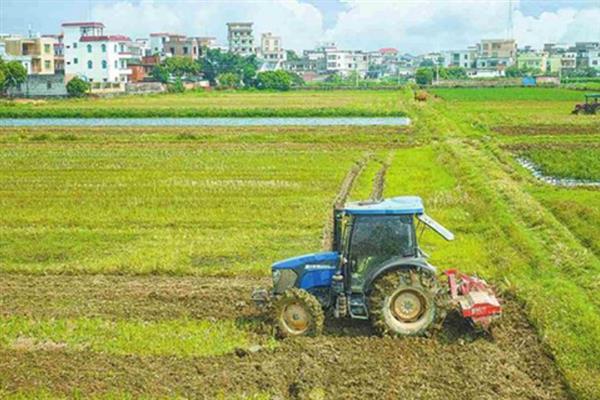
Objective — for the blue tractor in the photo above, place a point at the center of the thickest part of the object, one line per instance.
(374, 271)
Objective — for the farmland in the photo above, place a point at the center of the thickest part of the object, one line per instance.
(217, 104)
(128, 254)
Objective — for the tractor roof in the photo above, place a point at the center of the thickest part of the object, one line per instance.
(396, 205)
(593, 96)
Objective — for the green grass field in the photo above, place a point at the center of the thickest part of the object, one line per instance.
(218, 104)
(128, 255)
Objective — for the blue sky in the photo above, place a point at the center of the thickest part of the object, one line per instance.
(411, 25)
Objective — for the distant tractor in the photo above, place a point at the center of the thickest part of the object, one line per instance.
(375, 270)
(590, 106)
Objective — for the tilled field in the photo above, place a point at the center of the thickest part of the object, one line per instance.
(348, 361)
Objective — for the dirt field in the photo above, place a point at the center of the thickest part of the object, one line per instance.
(347, 362)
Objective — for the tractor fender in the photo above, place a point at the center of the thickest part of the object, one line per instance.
(398, 263)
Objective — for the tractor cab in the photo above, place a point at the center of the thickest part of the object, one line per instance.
(373, 237)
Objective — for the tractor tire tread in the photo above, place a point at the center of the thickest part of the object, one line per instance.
(309, 302)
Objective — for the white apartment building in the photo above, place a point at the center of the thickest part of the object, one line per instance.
(458, 58)
(345, 62)
(240, 38)
(94, 56)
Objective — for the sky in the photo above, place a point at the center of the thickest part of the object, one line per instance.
(414, 26)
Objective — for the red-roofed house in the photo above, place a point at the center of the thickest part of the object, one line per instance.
(94, 56)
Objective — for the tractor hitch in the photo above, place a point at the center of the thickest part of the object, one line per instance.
(474, 298)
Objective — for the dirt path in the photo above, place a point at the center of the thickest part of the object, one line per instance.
(346, 362)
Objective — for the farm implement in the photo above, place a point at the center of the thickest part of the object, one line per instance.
(375, 271)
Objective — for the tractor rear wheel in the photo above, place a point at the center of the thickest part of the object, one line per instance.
(406, 302)
(298, 313)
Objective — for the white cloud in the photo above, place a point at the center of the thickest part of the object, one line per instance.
(410, 25)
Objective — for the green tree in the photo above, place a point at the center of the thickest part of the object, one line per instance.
(273, 80)
(216, 63)
(14, 74)
(182, 66)
(228, 80)
(295, 79)
(335, 79)
(161, 74)
(456, 73)
(424, 76)
(77, 87)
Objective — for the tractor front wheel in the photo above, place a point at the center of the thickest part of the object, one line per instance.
(405, 302)
(298, 313)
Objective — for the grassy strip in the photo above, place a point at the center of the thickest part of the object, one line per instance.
(174, 337)
(182, 112)
(113, 395)
(578, 209)
(509, 94)
(577, 163)
(219, 104)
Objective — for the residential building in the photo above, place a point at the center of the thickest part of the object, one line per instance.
(458, 58)
(181, 46)
(24, 60)
(533, 60)
(158, 40)
(346, 62)
(240, 38)
(94, 56)
(59, 53)
(496, 54)
(206, 42)
(41, 85)
(588, 54)
(271, 48)
(39, 49)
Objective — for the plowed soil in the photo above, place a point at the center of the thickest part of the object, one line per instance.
(348, 361)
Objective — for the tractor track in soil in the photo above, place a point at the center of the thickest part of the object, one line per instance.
(379, 181)
(342, 196)
(347, 361)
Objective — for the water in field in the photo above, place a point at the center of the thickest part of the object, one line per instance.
(350, 121)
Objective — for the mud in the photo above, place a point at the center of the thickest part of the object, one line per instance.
(348, 361)
(379, 181)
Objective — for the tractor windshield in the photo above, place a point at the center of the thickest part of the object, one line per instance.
(376, 239)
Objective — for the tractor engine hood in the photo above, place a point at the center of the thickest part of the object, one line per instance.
(326, 258)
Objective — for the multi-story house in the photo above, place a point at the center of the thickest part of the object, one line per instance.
(346, 62)
(94, 56)
(271, 48)
(59, 53)
(24, 60)
(533, 60)
(158, 40)
(458, 58)
(39, 49)
(588, 54)
(240, 38)
(181, 46)
(496, 54)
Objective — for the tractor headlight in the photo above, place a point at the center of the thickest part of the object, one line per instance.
(276, 277)
(283, 279)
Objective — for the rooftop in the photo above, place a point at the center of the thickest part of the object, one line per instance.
(91, 24)
(395, 205)
(105, 38)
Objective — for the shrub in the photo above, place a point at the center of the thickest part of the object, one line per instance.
(229, 80)
(424, 76)
(77, 87)
(176, 87)
(273, 80)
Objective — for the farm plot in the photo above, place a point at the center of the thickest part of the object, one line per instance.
(220, 104)
(107, 335)
(510, 107)
(172, 207)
